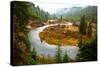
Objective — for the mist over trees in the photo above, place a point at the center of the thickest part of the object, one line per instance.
(73, 14)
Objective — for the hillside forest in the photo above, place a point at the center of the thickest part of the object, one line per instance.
(26, 16)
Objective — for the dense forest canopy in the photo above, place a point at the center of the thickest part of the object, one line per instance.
(29, 11)
(22, 12)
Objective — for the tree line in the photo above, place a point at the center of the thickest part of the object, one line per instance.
(75, 14)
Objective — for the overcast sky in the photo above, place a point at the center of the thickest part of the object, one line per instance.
(52, 6)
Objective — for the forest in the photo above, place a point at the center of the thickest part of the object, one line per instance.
(74, 14)
(26, 16)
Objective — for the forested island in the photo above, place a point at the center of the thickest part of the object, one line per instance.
(43, 38)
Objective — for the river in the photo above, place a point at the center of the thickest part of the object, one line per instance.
(47, 50)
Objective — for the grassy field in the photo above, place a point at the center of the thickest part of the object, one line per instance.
(64, 35)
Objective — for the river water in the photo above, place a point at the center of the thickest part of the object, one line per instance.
(47, 50)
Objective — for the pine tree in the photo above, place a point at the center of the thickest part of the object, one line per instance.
(61, 18)
(83, 25)
(65, 58)
(88, 51)
(32, 56)
(58, 55)
(90, 30)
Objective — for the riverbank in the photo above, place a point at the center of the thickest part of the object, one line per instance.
(45, 49)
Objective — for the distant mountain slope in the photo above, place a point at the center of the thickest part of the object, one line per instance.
(68, 11)
(62, 11)
(74, 13)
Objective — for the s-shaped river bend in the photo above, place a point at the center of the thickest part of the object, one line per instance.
(47, 50)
